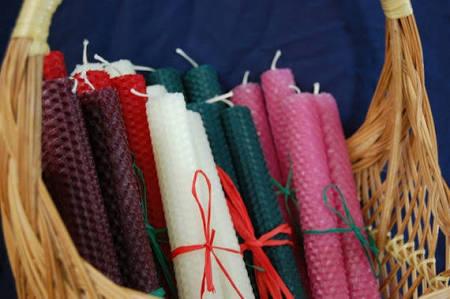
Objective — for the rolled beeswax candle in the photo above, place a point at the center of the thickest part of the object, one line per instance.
(54, 66)
(68, 171)
(362, 281)
(257, 191)
(176, 164)
(136, 124)
(155, 91)
(119, 68)
(120, 189)
(92, 80)
(276, 86)
(324, 256)
(221, 220)
(169, 77)
(251, 96)
(202, 83)
(210, 114)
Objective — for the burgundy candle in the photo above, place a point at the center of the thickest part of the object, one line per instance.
(69, 174)
(119, 186)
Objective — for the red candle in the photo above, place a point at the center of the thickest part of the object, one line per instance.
(362, 282)
(54, 66)
(91, 80)
(136, 124)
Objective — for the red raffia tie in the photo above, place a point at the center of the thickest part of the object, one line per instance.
(208, 246)
(269, 282)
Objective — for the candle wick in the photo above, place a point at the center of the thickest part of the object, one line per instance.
(275, 59)
(85, 45)
(101, 59)
(138, 93)
(316, 88)
(185, 56)
(75, 84)
(222, 98)
(296, 88)
(86, 79)
(143, 68)
(245, 78)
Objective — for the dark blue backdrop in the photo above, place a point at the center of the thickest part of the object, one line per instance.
(339, 43)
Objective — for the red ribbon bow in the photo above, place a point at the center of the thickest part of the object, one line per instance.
(208, 246)
(270, 284)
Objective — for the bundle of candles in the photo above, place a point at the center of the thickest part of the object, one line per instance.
(171, 187)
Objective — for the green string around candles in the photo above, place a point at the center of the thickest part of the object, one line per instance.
(153, 233)
(288, 193)
(368, 243)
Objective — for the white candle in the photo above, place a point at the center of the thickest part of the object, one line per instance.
(176, 164)
(155, 91)
(79, 68)
(221, 219)
(119, 68)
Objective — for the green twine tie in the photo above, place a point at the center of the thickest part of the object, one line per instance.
(288, 193)
(368, 243)
(152, 234)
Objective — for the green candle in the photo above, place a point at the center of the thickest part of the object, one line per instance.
(169, 77)
(210, 114)
(257, 191)
(202, 83)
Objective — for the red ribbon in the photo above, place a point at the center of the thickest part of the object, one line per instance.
(208, 246)
(270, 284)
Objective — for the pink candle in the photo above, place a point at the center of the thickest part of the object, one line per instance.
(251, 96)
(275, 84)
(362, 282)
(324, 257)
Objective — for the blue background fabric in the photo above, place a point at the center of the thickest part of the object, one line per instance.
(338, 43)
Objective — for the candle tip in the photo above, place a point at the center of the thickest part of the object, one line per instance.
(183, 54)
(275, 59)
(143, 68)
(316, 88)
(245, 79)
(75, 85)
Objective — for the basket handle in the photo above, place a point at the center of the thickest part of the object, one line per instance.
(395, 9)
(34, 22)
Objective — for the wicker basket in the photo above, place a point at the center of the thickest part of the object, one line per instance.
(398, 135)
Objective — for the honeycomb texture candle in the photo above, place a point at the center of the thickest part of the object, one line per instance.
(54, 66)
(275, 84)
(251, 96)
(136, 124)
(94, 80)
(324, 257)
(69, 173)
(221, 219)
(169, 77)
(257, 191)
(362, 281)
(176, 164)
(201, 83)
(211, 118)
(119, 187)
